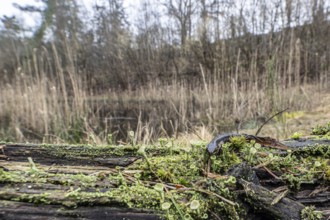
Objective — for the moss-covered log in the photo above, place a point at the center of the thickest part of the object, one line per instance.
(164, 180)
(25, 211)
(263, 199)
(109, 156)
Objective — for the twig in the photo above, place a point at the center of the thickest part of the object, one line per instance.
(216, 195)
(215, 215)
(207, 92)
(280, 196)
(264, 163)
(271, 173)
(209, 193)
(2, 150)
(144, 154)
(32, 164)
(278, 113)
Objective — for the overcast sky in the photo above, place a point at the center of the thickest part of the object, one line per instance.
(7, 8)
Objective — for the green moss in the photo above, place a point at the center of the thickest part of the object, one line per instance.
(36, 199)
(137, 196)
(93, 151)
(296, 136)
(9, 177)
(315, 150)
(69, 152)
(304, 165)
(44, 177)
(321, 129)
(310, 213)
(171, 178)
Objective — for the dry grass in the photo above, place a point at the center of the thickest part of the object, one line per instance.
(37, 110)
(301, 121)
(37, 107)
(52, 104)
(218, 82)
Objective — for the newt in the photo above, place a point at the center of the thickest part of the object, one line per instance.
(215, 145)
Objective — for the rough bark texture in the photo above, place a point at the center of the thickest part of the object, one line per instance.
(69, 155)
(45, 186)
(261, 197)
(27, 211)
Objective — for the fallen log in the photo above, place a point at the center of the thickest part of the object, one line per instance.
(161, 181)
(262, 200)
(109, 156)
(26, 211)
(305, 142)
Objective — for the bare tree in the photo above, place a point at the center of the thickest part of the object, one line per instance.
(182, 11)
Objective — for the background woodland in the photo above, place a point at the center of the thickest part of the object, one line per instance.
(111, 73)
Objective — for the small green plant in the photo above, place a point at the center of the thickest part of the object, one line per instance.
(109, 139)
(310, 213)
(33, 167)
(131, 137)
(92, 139)
(238, 141)
(162, 142)
(166, 206)
(321, 129)
(296, 136)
